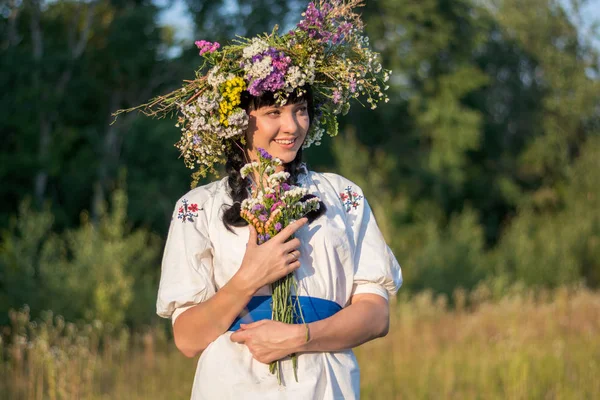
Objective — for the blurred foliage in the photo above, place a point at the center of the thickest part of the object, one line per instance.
(552, 248)
(97, 271)
(482, 167)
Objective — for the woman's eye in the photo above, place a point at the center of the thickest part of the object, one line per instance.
(273, 112)
(303, 109)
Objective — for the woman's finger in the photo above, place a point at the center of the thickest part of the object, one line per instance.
(291, 267)
(238, 336)
(290, 229)
(292, 245)
(254, 324)
(293, 256)
(253, 237)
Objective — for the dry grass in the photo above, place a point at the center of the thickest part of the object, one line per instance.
(525, 346)
(522, 347)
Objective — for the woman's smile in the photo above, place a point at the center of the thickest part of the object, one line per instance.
(285, 143)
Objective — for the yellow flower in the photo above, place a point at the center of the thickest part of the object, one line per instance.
(231, 91)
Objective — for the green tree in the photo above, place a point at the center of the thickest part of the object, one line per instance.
(96, 271)
(561, 246)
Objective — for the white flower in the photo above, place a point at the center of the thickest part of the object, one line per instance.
(310, 71)
(295, 77)
(315, 134)
(260, 69)
(278, 177)
(294, 193)
(214, 78)
(257, 46)
(244, 172)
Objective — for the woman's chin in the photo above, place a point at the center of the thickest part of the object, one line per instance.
(286, 156)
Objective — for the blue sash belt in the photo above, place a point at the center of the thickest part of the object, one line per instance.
(313, 309)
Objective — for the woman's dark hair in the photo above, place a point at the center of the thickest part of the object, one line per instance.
(236, 158)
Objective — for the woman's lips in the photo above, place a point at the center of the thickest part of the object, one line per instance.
(285, 143)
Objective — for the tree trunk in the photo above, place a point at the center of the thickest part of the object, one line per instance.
(41, 178)
(46, 115)
(109, 158)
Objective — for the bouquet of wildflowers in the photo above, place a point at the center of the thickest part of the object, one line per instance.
(327, 50)
(272, 205)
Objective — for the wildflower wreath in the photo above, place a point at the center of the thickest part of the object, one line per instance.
(327, 51)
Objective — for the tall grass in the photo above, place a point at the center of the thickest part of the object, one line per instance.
(52, 359)
(527, 345)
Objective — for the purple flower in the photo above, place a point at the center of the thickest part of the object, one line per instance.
(352, 85)
(207, 47)
(273, 82)
(285, 187)
(313, 20)
(323, 25)
(342, 31)
(264, 154)
(196, 139)
(277, 227)
(263, 238)
(262, 217)
(276, 79)
(257, 207)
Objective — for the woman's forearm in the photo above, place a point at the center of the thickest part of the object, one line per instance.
(200, 325)
(366, 318)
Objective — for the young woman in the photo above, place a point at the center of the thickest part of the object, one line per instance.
(212, 269)
(280, 94)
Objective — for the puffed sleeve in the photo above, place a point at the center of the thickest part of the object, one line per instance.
(187, 269)
(375, 267)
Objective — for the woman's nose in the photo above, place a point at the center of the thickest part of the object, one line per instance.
(289, 122)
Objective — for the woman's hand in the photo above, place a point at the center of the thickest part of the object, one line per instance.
(365, 319)
(270, 261)
(270, 340)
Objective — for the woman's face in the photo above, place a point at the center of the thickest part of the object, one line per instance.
(278, 130)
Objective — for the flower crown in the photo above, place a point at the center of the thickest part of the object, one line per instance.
(327, 51)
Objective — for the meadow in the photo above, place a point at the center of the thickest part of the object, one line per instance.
(525, 345)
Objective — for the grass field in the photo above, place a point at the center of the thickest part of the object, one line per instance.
(524, 346)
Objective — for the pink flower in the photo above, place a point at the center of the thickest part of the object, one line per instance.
(274, 206)
(337, 97)
(207, 47)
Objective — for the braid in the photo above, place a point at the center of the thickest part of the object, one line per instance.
(237, 186)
